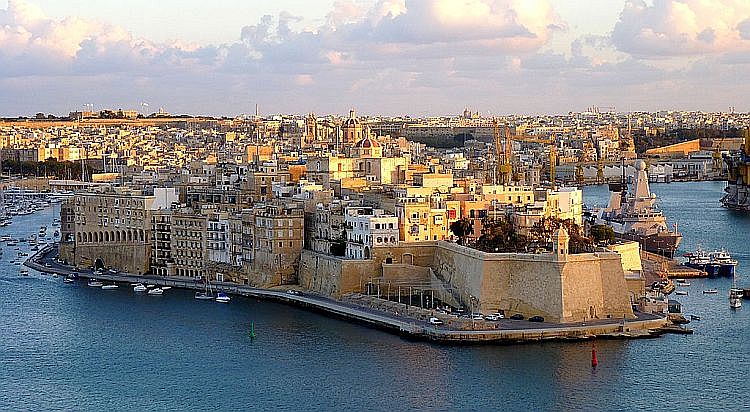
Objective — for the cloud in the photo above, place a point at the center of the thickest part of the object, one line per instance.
(669, 28)
(382, 56)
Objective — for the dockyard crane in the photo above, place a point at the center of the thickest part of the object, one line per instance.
(552, 143)
(504, 154)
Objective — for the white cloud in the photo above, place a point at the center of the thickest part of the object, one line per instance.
(682, 27)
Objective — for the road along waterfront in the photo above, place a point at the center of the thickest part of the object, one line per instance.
(507, 331)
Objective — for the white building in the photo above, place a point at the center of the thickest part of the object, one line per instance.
(367, 228)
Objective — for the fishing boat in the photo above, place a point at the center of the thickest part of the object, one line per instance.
(24, 272)
(223, 298)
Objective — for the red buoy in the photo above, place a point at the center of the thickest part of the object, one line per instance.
(594, 361)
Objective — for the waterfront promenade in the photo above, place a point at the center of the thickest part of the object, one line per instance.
(405, 323)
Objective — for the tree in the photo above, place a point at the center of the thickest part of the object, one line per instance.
(501, 236)
(462, 228)
(602, 233)
(543, 231)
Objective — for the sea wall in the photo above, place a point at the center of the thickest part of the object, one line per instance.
(569, 288)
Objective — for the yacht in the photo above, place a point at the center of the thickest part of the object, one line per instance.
(724, 261)
(110, 286)
(95, 283)
(207, 293)
(68, 279)
(223, 298)
(139, 287)
(155, 291)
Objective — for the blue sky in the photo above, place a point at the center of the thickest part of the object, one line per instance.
(380, 56)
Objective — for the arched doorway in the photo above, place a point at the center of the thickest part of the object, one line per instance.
(98, 263)
(367, 252)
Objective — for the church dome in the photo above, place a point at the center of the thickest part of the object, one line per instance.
(367, 143)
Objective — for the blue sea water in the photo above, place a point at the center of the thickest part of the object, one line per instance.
(71, 347)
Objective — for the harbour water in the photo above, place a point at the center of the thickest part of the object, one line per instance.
(71, 347)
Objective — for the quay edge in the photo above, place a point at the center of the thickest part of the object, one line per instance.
(415, 329)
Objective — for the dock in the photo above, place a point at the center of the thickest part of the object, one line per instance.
(657, 267)
(504, 332)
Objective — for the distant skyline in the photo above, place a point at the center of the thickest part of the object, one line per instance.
(378, 56)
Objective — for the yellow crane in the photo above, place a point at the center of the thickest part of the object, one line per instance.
(552, 142)
(504, 154)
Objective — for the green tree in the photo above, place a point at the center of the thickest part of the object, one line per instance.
(602, 233)
(462, 228)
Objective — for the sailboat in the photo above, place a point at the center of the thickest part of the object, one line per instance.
(207, 293)
(735, 295)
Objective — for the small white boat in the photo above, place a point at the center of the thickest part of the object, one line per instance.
(150, 286)
(203, 296)
(155, 291)
(223, 298)
(710, 292)
(111, 286)
(54, 275)
(68, 280)
(24, 272)
(166, 287)
(139, 287)
(95, 283)
(681, 293)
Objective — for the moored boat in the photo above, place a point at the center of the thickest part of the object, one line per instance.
(155, 291)
(223, 298)
(110, 286)
(139, 287)
(710, 292)
(95, 283)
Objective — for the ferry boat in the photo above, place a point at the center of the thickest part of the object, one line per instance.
(716, 263)
(634, 216)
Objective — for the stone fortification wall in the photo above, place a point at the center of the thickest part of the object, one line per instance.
(562, 288)
(334, 276)
(130, 258)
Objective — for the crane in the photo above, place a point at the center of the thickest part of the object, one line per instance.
(552, 142)
(504, 153)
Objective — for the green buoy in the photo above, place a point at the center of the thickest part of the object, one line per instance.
(252, 331)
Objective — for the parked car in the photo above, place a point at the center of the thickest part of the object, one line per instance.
(517, 316)
(293, 292)
(435, 321)
(491, 317)
(536, 319)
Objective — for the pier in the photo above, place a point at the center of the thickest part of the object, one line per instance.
(504, 331)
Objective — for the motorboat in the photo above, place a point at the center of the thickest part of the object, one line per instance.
(735, 298)
(710, 292)
(24, 272)
(139, 287)
(166, 287)
(681, 292)
(223, 298)
(95, 283)
(695, 317)
(155, 291)
(68, 280)
(110, 286)
(150, 286)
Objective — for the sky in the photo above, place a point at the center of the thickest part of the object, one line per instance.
(391, 57)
